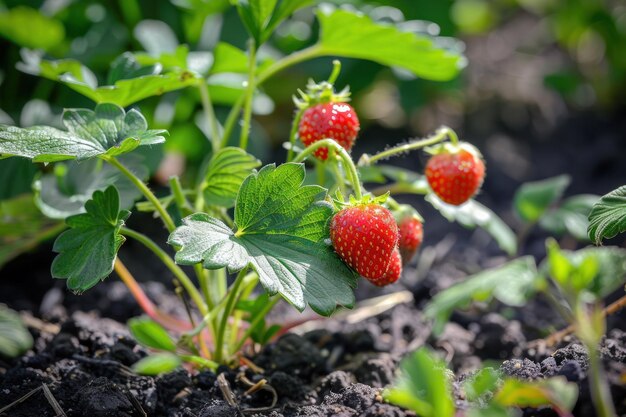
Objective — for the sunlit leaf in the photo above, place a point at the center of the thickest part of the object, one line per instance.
(106, 131)
(352, 35)
(608, 216)
(280, 231)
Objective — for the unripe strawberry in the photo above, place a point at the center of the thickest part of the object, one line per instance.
(411, 236)
(365, 236)
(335, 120)
(394, 270)
(455, 173)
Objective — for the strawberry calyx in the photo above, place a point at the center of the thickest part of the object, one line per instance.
(339, 202)
(320, 93)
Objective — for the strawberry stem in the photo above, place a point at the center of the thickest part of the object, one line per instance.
(335, 73)
(442, 134)
(341, 153)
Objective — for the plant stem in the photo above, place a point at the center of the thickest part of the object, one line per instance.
(612, 308)
(293, 133)
(214, 128)
(144, 302)
(401, 188)
(255, 321)
(165, 216)
(339, 179)
(311, 52)
(351, 172)
(440, 135)
(233, 295)
(231, 120)
(182, 277)
(179, 196)
(600, 390)
(247, 109)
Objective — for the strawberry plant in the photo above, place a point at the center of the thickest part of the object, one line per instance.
(240, 223)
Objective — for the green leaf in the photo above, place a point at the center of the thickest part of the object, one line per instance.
(556, 392)
(533, 199)
(106, 131)
(228, 58)
(151, 334)
(16, 177)
(423, 386)
(280, 231)
(157, 363)
(597, 270)
(570, 217)
(14, 337)
(227, 170)
(261, 17)
(512, 283)
(87, 252)
(63, 193)
(126, 67)
(608, 216)
(473, 214)
(353, 35)
(284, 9)
(29, 28)
(23, 227)
(123, 92)
(481, 383)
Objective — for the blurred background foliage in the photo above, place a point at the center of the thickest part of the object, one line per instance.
(552, 56)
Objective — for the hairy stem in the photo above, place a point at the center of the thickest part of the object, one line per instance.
(179, 196)
(311, 52)
(209, 112)
(443, 133)
(165, 216)
(232, 298)
(180, 275)
(247, 108)
(294, 133)
(144, 302)
(255, 321)
(341, 153)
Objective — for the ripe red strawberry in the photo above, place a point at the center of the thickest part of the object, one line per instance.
(455, 173)
(365, 236)
(394, 270)
(336, 121)
(411, 235)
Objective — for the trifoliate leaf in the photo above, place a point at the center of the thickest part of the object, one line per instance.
(63, 193)
(353, 35)
(533, 199)
(423, 386)
(87, 252)
(512, 283)
(14, 337)
(473, 214)
(108, 130)
(280, 231)
(608, 216)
